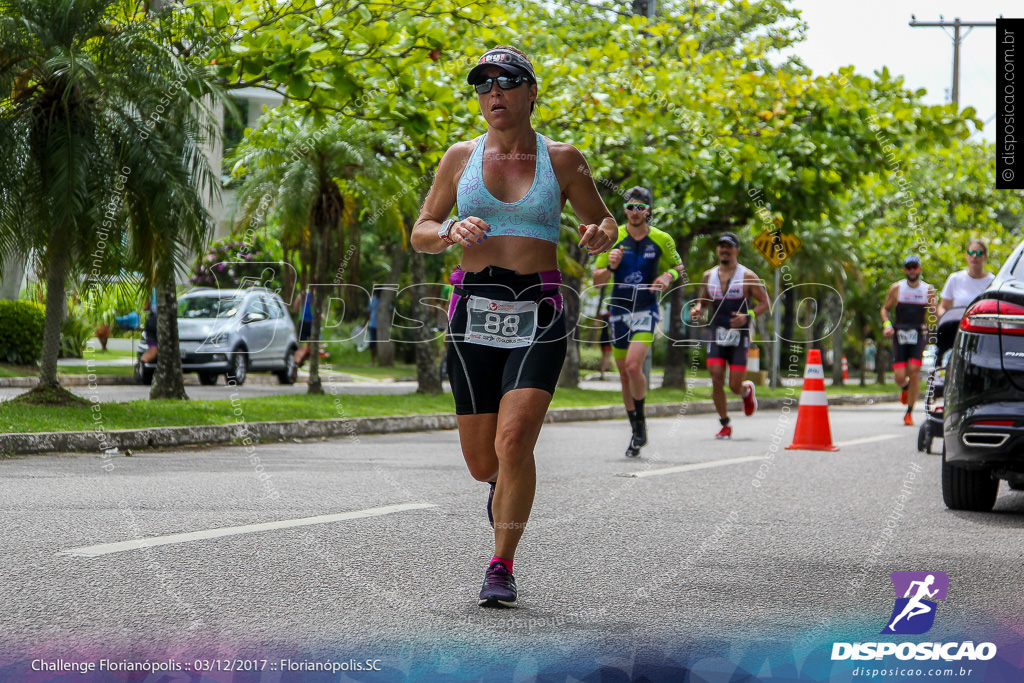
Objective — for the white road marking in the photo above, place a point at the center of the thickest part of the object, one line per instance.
(736, 461)
(153, 541)
(690, 467)
(867, 439)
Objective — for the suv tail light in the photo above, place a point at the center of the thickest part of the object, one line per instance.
(991, 316)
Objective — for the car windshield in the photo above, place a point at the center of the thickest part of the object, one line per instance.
(211, 306)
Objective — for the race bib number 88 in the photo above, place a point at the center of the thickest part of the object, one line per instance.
(501, 324)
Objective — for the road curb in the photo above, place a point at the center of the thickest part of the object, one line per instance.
(82, 380)
(168, 437)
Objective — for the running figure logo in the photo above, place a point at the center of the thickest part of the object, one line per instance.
(914, 611)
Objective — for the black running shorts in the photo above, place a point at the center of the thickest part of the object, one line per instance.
(480, 375)
(735, 356)
(908, 354)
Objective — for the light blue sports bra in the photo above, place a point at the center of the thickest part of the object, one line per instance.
(536, 215)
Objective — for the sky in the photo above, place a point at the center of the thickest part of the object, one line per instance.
(871, 34)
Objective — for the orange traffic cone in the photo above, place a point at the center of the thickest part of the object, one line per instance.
(813, 432)
(846, 370)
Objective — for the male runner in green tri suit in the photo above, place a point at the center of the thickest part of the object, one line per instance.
(642, 263)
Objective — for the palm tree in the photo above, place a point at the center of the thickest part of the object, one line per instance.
(168, 223)
(100, 125)
(308, 175)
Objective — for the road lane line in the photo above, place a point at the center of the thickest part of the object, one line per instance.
(736, 461)
(867, 439)
(690, 467)
(153, 541)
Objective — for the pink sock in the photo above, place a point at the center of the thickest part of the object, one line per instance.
(507, 563)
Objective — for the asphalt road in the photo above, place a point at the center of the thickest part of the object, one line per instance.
(685, 555)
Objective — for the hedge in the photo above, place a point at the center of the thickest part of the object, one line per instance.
(21, 332)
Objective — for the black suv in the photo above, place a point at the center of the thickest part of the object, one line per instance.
(983, 425)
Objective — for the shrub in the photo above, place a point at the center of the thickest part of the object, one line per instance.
(75, 333)
(21, 332)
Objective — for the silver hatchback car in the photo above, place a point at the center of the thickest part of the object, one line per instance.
(232, 332)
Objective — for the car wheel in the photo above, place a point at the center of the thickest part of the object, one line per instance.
(143, 375)
(924, 438)
(964, 489)
(238, 368)
(208, 379)
(291, 369)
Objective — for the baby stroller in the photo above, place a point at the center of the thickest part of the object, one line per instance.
(945, 333)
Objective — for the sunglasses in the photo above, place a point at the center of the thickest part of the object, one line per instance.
(637, 207)
(504, 82)
(911, 266)
(975, 252)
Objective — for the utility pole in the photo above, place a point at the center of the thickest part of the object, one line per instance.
(956, 24)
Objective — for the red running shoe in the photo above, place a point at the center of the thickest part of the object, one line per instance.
(726, 433)
(749, 401)
(908, 420)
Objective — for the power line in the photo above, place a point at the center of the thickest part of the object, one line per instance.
(957, 38)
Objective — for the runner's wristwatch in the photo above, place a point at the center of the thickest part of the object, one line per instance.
(446, 227)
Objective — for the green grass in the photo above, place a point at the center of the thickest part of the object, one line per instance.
(62, 370)
(122, 371)
(398, 371)
(15, 417)
(109, 354)
(18, 370)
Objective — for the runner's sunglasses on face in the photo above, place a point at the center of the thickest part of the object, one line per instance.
(637, 207)
(504, 82)
(975, 252)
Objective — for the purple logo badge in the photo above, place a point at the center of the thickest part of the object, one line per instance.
(916, 593)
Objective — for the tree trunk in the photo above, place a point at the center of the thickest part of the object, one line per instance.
(837, 355)
(570, 375)
(385, 346)
(315, 386)
(882, 359)
(11, 275)
(354, 299)
(168, 380)
(677, 355)
(55, 295)
(428, 377)
(789, 315)
(863, 355)
(571, 288)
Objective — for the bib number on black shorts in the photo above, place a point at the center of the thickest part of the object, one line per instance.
(906, 337)
(639, 321)
(727, 336)
(501, 324)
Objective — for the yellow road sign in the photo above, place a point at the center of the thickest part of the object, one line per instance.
(776, 247)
